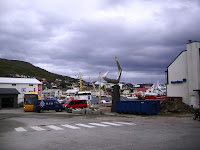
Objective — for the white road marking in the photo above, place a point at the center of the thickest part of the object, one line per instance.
(90, 125)
(126, 123)
(98, 124)
(84, 125)
(113, 124)
(37, 128)
(20, 129)
(54, 127)
(70, 126)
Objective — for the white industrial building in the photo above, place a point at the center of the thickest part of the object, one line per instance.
(183, 75)
(51, 93)
(22, 85)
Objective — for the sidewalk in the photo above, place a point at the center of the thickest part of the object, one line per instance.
(107, 112)
(12, 110)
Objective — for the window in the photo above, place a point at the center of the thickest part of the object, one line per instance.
(57, 103)
(84, 93)
(71, 103)
(80, 102)
(77, 102)
(30, 84)
(13, 84)
(23, 89)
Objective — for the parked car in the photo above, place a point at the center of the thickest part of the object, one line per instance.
(21, 104)
(48, 104)
(76, 104)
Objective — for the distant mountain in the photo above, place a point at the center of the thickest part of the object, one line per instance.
(10, 67)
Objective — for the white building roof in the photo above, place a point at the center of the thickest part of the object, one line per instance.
(50, 90)
(71, 91)
(19, 80)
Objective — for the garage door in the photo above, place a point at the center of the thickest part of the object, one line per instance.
(7, 102)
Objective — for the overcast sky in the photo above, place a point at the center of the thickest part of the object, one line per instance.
(72, 37)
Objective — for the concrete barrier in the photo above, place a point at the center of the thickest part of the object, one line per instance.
(88, 111)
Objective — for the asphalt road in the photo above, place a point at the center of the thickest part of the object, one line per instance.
(61, 131)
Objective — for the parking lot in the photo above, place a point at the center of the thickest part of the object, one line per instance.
(61, 130)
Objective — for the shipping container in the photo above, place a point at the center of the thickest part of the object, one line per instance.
(150, 107)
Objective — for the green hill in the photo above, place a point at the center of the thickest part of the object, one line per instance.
(8, 67)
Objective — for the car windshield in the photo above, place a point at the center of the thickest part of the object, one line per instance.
(30, 99)
(62, 101)
(67, 102)
(56, 102)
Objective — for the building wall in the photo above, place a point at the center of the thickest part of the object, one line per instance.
(193, 72)
(186, 66)
(177, 71)
(22, 88)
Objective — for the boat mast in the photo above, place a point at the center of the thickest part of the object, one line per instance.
(93, 86)
(81, 88)
(99, 86)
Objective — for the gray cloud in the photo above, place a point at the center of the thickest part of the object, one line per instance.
(64, 38)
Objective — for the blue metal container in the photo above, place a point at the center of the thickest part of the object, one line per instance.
(150, 107)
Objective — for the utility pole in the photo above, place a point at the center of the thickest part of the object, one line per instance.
(99, 86)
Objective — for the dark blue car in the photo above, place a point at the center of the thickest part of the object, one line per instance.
(49, 104)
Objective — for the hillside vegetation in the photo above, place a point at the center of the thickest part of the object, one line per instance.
(8, 67)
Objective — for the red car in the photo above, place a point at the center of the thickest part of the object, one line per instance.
(76, 104)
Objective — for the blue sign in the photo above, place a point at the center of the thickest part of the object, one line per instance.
(177, 82)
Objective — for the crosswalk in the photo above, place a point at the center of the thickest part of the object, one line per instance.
(74, 127)
(37, 128)
(70, 126)
(54, 127)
